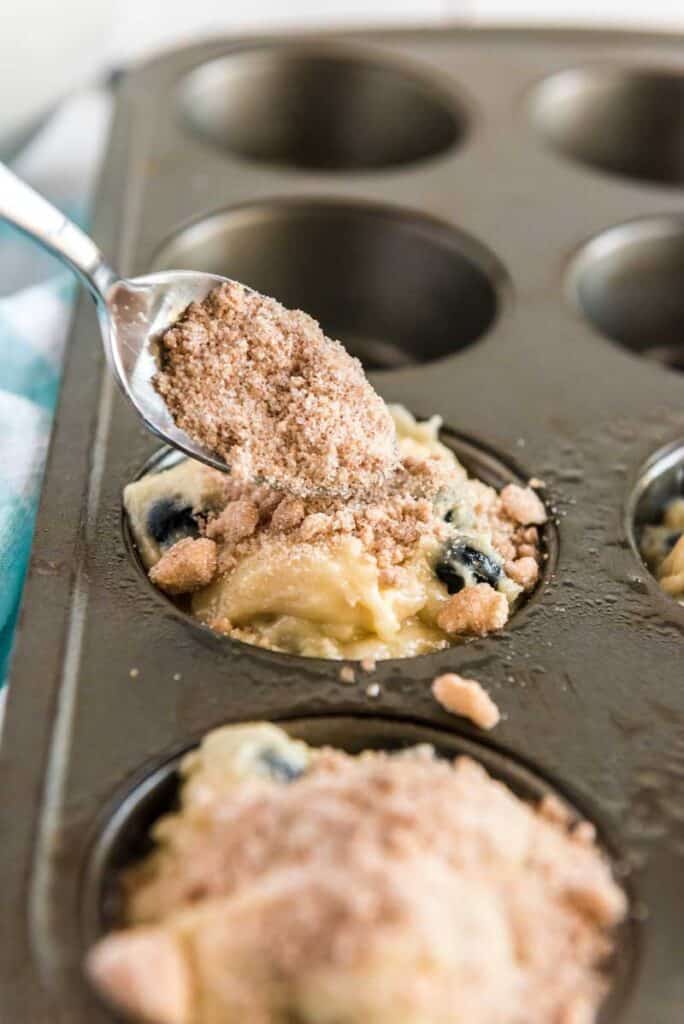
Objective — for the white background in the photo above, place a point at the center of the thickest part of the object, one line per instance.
(50, 46)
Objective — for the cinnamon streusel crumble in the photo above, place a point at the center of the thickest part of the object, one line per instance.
(306, 884)
(262, 387)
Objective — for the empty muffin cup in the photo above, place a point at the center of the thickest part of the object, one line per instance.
(396, 288)
(628, 283)
(326, 110)
(627, 122)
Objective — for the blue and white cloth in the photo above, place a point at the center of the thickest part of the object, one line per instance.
(36, 297)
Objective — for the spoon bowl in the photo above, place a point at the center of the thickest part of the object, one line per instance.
(133, 312)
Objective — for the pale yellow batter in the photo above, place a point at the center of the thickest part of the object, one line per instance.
(662, 547)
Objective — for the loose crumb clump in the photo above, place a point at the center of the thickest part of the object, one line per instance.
(476, 610)
(188, 565)
(524, 571)
(466, 697)
(262, 387)
(523, 505)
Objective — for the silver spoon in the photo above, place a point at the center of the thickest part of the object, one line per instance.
(132, 311)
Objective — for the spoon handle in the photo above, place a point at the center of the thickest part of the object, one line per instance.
(40, 220)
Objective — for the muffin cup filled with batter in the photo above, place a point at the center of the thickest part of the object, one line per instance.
(438, 557)
(303, 883)
(657, 518)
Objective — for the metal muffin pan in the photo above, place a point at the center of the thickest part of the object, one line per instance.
(456, 257)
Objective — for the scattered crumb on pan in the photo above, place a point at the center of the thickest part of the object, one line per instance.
(466, 697)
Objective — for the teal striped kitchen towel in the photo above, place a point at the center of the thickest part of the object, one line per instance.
(36, 296)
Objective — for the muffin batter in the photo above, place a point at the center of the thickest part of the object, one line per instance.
(307, 885)
(434, 557)
(662, 548)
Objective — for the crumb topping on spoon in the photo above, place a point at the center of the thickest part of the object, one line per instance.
(263, 388)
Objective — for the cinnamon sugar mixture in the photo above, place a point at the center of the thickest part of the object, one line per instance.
(384, 888)
(262, 387)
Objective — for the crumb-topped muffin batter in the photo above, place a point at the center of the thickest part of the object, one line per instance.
(662, 547)
(306, 884)
(434, 557)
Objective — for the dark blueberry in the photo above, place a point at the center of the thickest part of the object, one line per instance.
(449, 516)
(458, 559)
(170, 520)
(672, 539)
(279, 768)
